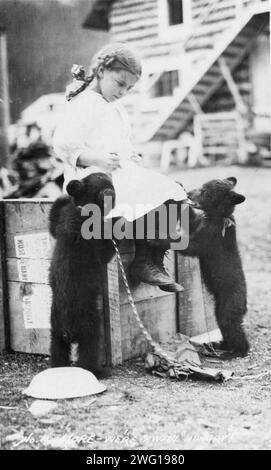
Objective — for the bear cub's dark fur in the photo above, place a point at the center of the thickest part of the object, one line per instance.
(76, 273)
(213, 240)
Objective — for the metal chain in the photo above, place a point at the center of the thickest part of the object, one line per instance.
(157, 349)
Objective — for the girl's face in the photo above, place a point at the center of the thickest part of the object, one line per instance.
(114, 84)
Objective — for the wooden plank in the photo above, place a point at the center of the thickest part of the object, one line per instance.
(232, 51)
(207, 80)
(241, 125)
(119, 9)
(28, 270)
(194, 103)
(210, 336)
(26, 216)
(223, 16)
(113, 333)
(239, 103)
(212, 136)
(212, 132)
(214, 71)
(199, 43)
(217, 150)
(149, 29)
(228, 133)
(192, 320)
(29, 304)
(177, 116)
(136, 22)
(121, 17)
(215, 106)
(199, 90)
(171, 123)
(150, 47)
(210, 28)
(140, 292)
(147, 35)
(130, 4)
(209, 305)
(212, 127)
(28, 237)
(208, 145)
(219, 116)
(159, 318)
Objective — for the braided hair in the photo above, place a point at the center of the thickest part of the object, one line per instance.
(115, 56)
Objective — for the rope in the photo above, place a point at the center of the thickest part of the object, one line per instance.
(157, 349)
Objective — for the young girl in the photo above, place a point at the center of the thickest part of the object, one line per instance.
(94, 135)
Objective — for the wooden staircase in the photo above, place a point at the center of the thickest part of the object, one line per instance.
(232, 46)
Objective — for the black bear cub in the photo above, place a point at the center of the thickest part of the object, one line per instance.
(213, 240)
(76, 273)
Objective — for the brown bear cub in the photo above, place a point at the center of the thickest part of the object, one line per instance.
(213, 239)
(76, 273)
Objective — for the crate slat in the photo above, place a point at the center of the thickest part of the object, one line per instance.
(23, 338)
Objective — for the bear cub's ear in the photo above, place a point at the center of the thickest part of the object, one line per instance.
(232, 180)
(75, 187)
(237, 198)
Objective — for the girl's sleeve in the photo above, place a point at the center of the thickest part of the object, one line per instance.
(69, 137)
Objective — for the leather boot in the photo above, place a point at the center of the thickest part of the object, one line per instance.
(144, 269)
(158, 253)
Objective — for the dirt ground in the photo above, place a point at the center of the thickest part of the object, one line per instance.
(140, 411)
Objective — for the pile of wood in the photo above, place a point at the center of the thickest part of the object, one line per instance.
(37, 173)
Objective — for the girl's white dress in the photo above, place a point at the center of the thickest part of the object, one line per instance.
(90, 122)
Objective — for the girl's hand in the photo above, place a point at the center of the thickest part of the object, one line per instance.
(136, 158)
(108, 163)
(112, 162)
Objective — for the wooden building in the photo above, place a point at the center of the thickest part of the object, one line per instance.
(206, 71)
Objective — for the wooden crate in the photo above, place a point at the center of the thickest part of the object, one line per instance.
(25, 295)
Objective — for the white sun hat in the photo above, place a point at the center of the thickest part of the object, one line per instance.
(64, 382)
